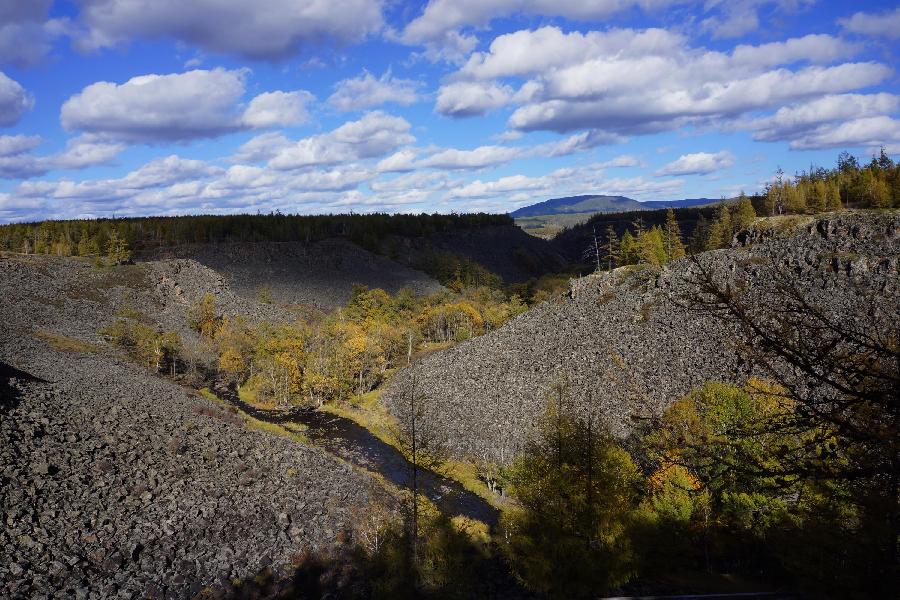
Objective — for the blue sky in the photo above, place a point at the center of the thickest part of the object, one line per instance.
(138, 107)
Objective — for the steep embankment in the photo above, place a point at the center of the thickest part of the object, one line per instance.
(320, 274)
(630, 342)
(117, 482)
(505, 250)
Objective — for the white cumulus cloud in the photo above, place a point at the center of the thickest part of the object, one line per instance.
(483, 156)
(17, 161)
(373, 135)
(277, 109)
(698, 163)
(886, 24)
(14, 101)
(178, 107)
(264, 29)
(26, 35)
(471, 98)
(366, 91)
(623, 82)
(797, 121)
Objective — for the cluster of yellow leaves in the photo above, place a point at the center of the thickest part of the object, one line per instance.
(353, 350)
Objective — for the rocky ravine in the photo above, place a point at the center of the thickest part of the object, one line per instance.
(626, 341)
(118, 483)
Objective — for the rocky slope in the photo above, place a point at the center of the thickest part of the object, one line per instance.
(320, 274)
(628, 343)
(118, 483)
(72, 296)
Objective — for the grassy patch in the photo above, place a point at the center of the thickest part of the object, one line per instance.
(63, 343)
(209, 395)
(273, 429)
(783, 223)
(292, 431)
(368, 412)
(466, 474)
(248, 394)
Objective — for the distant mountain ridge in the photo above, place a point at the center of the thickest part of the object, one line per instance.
(601, 203)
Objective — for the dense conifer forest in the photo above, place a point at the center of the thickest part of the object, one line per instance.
(84, 237)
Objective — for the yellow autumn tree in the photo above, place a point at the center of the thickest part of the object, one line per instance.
(279, 357)
(231, 362)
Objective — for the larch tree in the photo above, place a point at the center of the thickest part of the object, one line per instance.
(721, 230)
(651, 247)
(117, 251)
(841, 371)
(611, 248)
(628, 249)
(202, 316)
(744, 213)
(674, 245)
(566, 534)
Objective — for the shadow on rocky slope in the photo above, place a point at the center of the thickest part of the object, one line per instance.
(319, 274)
(9, 392)
(349, 441)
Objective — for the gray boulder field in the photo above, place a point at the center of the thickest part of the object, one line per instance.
(118, 483)
(629, 342)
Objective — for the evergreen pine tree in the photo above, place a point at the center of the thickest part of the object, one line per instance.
(700, 235)
(638, 226)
